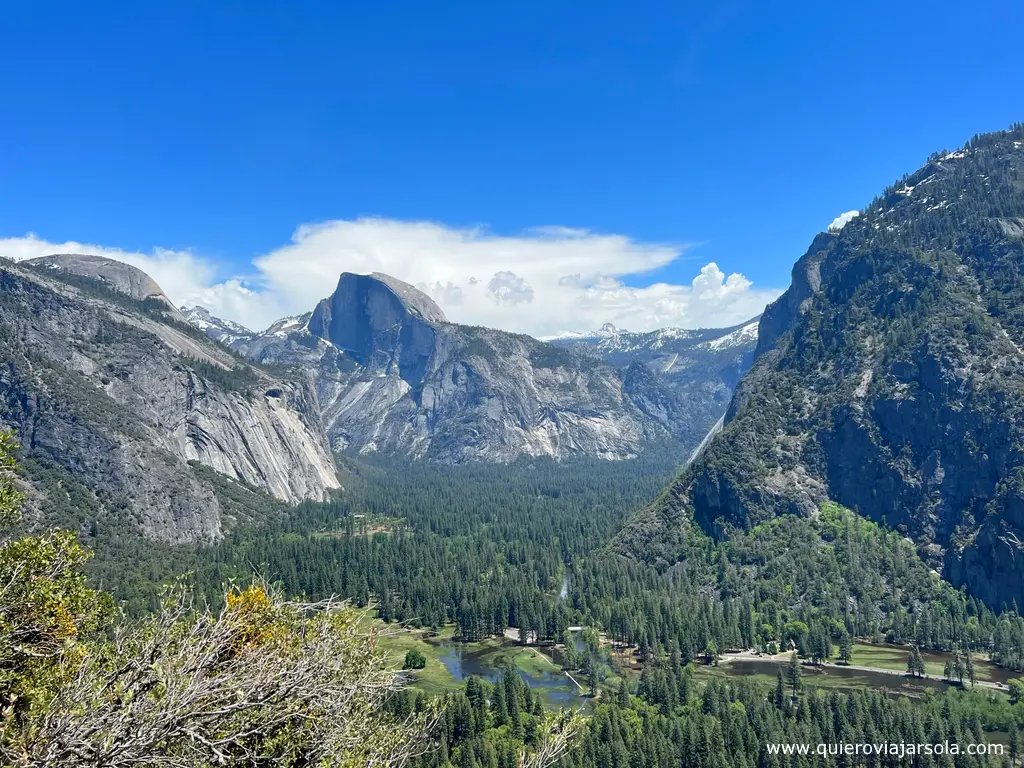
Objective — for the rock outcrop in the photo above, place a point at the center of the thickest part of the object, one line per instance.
(119, 276)
(126, 397)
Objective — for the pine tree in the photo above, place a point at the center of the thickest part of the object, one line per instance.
(959, 669)
(623, 699)
(499, 708)
(845, 648)
(824, 644)
(794, 674)
(571, 661)
(466, 757)
(915, 664)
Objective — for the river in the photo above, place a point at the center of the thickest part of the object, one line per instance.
(557, 690)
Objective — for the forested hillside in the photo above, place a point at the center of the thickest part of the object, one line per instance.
(486, 548)
(888, 380)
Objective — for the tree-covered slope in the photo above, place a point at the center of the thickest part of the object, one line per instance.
(888, 379)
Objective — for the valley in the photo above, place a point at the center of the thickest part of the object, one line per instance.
(712, 538)
(525, 385)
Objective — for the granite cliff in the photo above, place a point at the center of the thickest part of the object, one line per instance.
(394, 376)
(102, 378)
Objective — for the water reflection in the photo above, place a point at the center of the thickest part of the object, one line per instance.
(556, 688)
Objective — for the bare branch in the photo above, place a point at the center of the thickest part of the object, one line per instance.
(264, 682)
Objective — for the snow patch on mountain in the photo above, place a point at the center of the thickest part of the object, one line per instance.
(740, 337)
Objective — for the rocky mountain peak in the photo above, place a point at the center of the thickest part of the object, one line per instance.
(117, 275)
(415, 300)
(197, 313)
(394, 376)
(887, 380)
(217, 328)
(379, 321)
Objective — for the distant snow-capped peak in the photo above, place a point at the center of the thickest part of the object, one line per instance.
(217, 328)
(288, 325)
(608, 330)
(612, 339)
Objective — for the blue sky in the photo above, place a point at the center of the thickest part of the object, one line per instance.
(730, 132)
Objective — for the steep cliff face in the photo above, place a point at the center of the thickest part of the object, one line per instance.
(121, 394)
(393, 376)
(381, 323)
(888, 379)
(779, 316)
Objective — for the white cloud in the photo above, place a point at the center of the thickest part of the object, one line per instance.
(507, 287)
(842, 220)
(545, 281)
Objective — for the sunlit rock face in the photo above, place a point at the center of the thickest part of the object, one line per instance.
(394, 377)
(127, 397)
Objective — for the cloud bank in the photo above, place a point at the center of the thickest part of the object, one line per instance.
(542, 282)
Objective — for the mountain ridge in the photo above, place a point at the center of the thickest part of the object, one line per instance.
(394, 375)
(887, 379)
